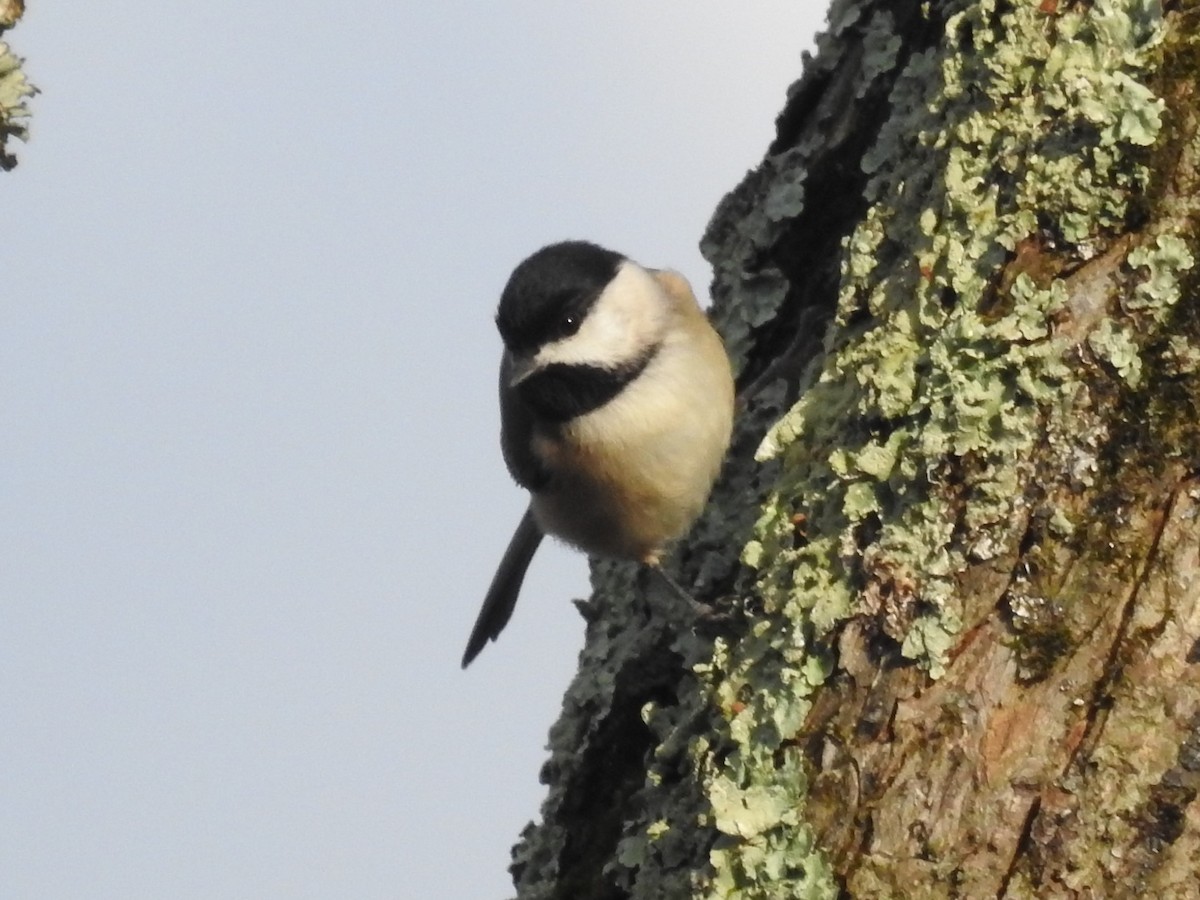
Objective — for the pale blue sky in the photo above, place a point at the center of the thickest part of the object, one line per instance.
(251, 486)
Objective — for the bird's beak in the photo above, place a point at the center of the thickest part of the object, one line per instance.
(519, 368)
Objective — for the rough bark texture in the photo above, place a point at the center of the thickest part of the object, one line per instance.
(954, 562)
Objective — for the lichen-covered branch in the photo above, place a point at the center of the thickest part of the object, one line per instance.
(14, 88)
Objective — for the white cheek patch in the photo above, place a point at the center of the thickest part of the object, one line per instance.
(628, 316)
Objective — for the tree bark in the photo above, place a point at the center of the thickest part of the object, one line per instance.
(953, 565)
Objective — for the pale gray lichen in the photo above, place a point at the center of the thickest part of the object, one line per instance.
(15, 89)
(881, 49)
(759, 296)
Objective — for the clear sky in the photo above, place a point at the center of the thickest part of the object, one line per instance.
(250, 488)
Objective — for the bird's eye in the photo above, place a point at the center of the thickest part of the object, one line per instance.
(570, 324)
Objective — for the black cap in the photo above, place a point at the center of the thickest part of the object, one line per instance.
(551, 292)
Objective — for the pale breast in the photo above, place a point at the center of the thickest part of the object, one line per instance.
(644, 463)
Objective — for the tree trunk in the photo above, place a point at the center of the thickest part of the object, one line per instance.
(953, 566)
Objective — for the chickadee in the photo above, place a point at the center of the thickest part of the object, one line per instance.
(616, 404)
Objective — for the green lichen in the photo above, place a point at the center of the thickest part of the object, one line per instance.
(1164, 262)
(908, 453)
(1160, 265)
(1115, 344)
(14, 112)
(1040, 125)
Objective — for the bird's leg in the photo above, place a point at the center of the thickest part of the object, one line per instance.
(699, 612)
(675, 588)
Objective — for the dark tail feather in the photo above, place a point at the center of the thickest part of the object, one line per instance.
(506, 585)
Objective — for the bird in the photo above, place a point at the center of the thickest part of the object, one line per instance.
(616, 409)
